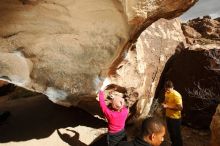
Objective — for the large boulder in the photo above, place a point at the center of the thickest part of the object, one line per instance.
(206, 26)
(144, 62)
(140, 69)
(201, 32)
(215, 128)
(65, 48)
(195, 74)
(3, 83)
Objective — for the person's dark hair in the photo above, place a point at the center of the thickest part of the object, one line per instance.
(151, 125)
(169, 84)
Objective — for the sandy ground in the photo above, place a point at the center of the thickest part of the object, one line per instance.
(38, 121)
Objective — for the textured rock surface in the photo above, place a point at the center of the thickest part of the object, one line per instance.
(64, 48)
(202, 32)
(49, 46)
(207, 27)
(3, 83)
(142, 66)
(140, 69)
(195, 74)
(201, 73)
(215, 128)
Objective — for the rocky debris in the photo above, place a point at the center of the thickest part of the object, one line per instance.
(215, 128)
(190, 32)
(202, 31)
(207, 27)
(195, 74)
(217, 19)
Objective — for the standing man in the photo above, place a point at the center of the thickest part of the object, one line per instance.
(173, 106)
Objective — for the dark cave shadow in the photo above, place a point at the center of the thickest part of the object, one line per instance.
(100, 141)
(6, 89)
(186, 69)
(37, 117)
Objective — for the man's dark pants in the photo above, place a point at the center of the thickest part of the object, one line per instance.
(114, 139)
(173, 126)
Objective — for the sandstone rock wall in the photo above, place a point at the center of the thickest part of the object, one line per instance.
(59, 48)
(65, 48)
(215, 128)
(195, 74)
(195, 71)
(144, 62)
(141, 67)
(202, 32)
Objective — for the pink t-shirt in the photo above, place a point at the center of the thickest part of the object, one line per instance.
(116, 119)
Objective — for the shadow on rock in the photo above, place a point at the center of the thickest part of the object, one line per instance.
(100, 141)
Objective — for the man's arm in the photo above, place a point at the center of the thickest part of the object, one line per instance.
(177, 107)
